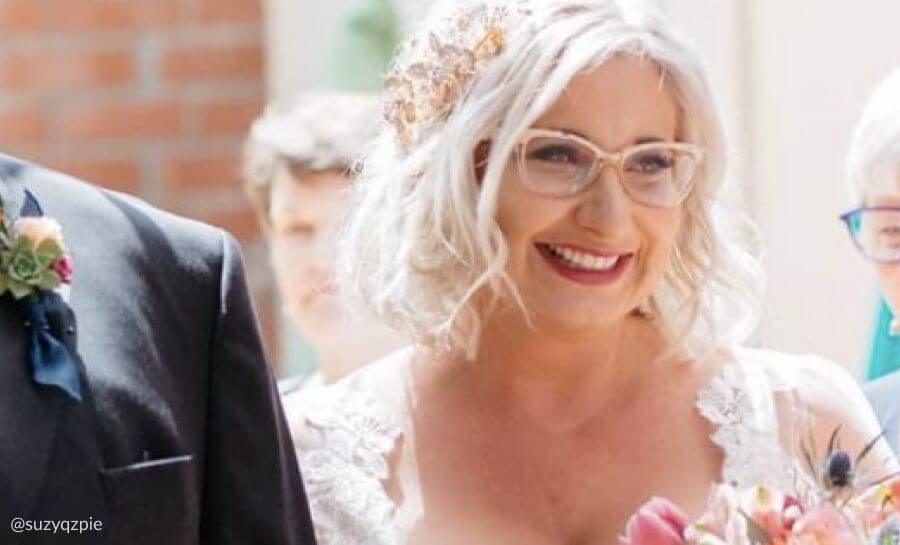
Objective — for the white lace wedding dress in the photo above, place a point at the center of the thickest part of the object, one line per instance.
(349, 433)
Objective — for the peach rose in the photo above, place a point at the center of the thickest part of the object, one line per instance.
(39, 230)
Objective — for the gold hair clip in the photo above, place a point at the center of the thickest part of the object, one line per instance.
(430, 73)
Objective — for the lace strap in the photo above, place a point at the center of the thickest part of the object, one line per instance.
(345, 465)
(740, 404)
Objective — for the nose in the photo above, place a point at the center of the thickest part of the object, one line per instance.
(605, 207)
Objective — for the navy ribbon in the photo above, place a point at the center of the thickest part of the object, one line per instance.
(51, 362)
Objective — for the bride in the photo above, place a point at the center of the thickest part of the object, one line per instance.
(539, 214)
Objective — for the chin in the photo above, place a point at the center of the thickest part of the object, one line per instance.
(316, 322)
(580, 316)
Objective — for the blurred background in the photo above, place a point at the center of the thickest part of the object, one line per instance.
(155, 97)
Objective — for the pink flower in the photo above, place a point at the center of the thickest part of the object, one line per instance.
(877, 504)
(38, 230)
(65, 267)
(825, 524)
(657, 522)
(792, 512)
(722, 523)
(886, 492)
(765, 507)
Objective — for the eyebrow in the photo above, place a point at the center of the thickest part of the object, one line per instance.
(637, 142)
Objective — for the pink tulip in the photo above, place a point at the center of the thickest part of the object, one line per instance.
(657, 522)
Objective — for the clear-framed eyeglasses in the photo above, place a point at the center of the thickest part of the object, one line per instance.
(875, 230)
(560, 164)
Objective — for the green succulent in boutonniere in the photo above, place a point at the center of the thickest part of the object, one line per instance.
(33, 258)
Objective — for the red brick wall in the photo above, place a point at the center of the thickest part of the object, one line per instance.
(151, 97)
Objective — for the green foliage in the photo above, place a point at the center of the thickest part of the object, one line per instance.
(25, 270)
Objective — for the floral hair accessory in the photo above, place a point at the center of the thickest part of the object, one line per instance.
(432, 71)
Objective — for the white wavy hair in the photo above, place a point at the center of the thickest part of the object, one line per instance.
(874, 155)
(422, 249)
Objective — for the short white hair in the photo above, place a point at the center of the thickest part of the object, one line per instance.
(314, 132)
(422, 248)
(874, 156)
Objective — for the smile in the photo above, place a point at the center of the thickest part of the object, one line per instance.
(585, 267)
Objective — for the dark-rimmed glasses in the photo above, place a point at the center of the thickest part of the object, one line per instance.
(875, 230)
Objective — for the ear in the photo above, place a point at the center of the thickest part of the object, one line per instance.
(480, 156)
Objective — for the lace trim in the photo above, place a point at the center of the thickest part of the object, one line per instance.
(345, 468)
(347, 463)
(740, 404)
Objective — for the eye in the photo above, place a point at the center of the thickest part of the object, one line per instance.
(651, 162)
(556, 153)
(890, 233)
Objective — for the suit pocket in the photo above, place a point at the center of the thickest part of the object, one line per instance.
(152, 502)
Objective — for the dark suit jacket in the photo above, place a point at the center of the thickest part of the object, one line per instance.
(884, 395)
(180, 438)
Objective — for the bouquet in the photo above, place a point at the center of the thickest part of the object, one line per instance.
(831, 505)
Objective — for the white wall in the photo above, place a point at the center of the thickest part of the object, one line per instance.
(814, 64)
(804, 69)
(719, 38)
(299, 40)
(791, 78)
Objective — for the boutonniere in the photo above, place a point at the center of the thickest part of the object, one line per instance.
(33, 257)
(36, 270)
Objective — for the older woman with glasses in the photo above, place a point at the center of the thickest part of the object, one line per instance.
(874, 173)
(538, 213)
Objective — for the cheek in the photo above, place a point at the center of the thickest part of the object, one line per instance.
(660, 230)
(293, 263)
(522, 216)
(285, 267)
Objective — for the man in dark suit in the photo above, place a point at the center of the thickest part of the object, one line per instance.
(178, 437)
(884, 395)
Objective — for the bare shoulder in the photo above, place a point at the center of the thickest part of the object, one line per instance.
(833, 403)
(384, 377)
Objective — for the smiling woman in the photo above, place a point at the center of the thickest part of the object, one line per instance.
(538, 214)
(605, 224)
(448, 302)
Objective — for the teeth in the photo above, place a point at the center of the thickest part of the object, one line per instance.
(584, 261)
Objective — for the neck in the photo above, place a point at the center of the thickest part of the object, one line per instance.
(560, 380)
